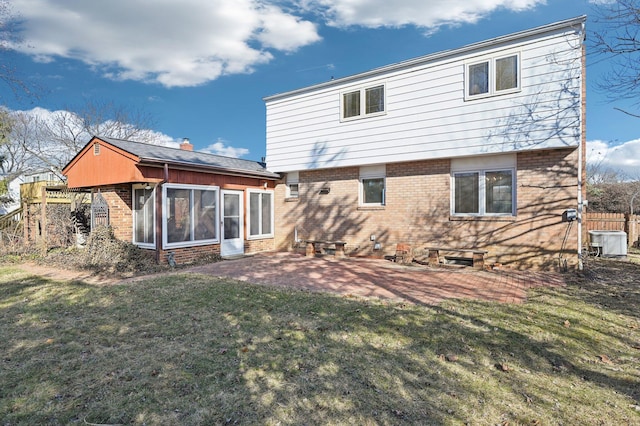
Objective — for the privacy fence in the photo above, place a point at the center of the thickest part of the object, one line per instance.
(629, 223)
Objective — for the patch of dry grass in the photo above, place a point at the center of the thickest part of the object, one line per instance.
(189, 349)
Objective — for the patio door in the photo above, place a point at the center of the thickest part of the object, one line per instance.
(232, 223)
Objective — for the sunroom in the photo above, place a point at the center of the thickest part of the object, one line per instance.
(180, 203)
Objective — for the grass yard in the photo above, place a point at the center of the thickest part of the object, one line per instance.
(188, 349)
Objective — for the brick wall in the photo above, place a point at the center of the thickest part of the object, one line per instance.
(417, 212)
(120, 210)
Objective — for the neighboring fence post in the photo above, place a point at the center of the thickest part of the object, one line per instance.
(43, 219)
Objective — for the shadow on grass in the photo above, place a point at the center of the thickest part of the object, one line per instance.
(190, 349)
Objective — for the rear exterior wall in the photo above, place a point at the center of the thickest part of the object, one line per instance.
(417, 212)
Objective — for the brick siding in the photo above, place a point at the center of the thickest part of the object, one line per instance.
(417, 212)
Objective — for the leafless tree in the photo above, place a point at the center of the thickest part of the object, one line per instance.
(9, 36)
(49, 142)
(619, 40)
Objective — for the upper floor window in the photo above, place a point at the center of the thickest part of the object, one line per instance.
(363, 102)
(493, 76)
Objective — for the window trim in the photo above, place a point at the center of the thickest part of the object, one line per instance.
(260, 236)
(191, 243)
(293, 178)
(368, 173)
(491, 61)
(482, 194)
(151, 245)
(362, 90)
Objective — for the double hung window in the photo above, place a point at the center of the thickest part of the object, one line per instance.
(363, 102)
(260, 214)
(493, 76)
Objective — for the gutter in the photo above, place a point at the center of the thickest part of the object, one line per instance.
(211, 169)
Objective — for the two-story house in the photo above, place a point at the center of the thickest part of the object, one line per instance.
(480, 147)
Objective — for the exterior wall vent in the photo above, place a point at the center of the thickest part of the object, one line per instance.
(96, 148)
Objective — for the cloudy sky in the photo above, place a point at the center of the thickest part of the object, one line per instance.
(202, 67)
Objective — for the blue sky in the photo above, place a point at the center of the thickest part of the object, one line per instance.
(200, 68)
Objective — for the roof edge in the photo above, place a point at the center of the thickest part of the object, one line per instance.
(571, 22)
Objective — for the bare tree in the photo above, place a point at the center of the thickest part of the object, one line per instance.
(619, 40)
(49, 142)
(9, 75)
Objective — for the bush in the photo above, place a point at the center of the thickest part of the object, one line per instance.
(106, 253)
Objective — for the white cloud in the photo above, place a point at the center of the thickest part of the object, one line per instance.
(220, 148)
(621, 158)
(190, 42)
(426, 14)
(175, 43)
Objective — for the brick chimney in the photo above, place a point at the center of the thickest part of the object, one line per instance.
(186, 145)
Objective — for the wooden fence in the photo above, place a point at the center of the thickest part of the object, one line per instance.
(615, 222)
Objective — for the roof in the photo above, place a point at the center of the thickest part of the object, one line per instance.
(149, 153)
(577, 22)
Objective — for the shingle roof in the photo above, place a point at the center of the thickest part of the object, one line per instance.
(162, 154)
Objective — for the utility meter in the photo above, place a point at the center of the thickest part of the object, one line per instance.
(569, 215)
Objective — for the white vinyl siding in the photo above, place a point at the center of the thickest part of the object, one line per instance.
(426, 114)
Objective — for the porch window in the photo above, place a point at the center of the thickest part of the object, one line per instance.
(260, 214)
(144, 217)
(190, 215)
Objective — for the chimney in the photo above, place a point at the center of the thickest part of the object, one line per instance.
(186, 145)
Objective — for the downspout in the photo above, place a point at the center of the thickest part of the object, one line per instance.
(581, 149)
(159, 235)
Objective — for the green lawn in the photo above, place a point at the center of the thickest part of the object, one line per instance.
(188, 349)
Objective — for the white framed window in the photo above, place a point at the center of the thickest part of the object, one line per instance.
(372, 185)
(260, 214)
(492, 76)
(293, 185)
(190, 215)
(144, 216)
(484, 187)
(363, 102)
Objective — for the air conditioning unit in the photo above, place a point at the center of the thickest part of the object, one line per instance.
(609, 243)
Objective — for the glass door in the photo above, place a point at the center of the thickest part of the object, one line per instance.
(232, 223)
